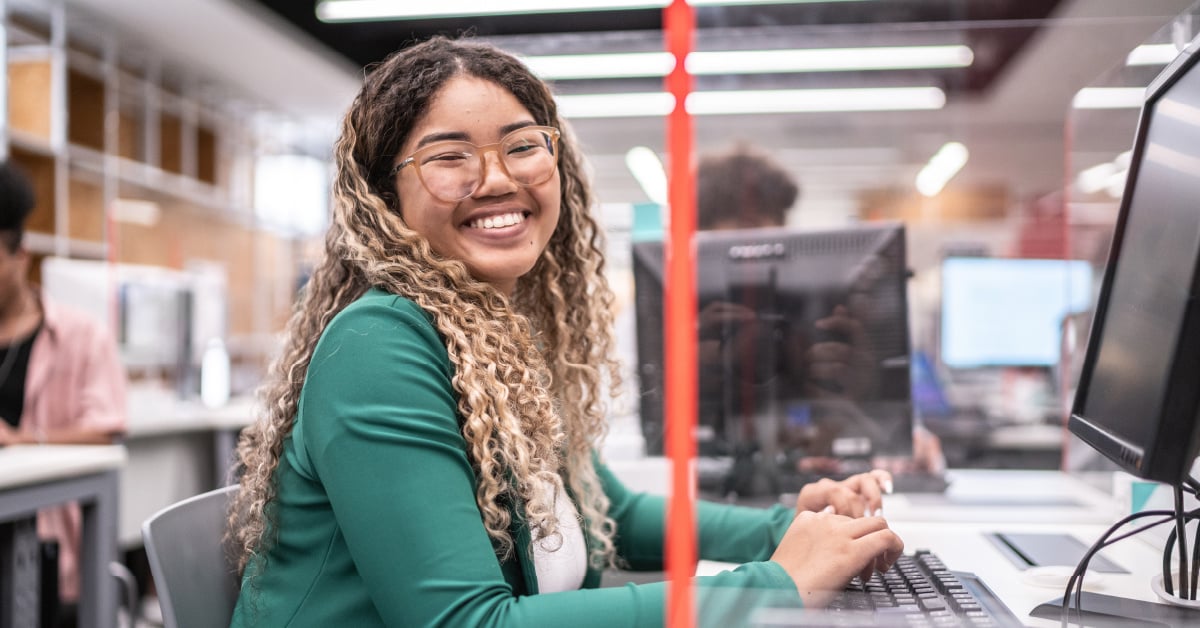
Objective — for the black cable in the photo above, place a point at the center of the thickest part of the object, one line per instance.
(1194, 487)
(1081, 569)
(1181, 528)
(1076, 581)
(1169, 552)
(1195, 566)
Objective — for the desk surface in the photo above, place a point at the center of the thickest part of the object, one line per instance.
(1002, 495)
(173, 416)
(33, 477)
(22, 465)
(955, 527)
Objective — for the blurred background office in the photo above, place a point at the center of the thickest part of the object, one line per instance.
(180, 153)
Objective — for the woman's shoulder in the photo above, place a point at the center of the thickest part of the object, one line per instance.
(377, 306)
(377, 300)
(376, 318)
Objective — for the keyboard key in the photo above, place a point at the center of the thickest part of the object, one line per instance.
(920, 592)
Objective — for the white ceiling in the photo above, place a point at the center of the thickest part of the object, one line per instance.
(1015, 132)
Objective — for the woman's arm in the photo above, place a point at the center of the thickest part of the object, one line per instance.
(380, 427)
(726, 532)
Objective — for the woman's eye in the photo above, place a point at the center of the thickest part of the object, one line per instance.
(521, 148)
(446, 158)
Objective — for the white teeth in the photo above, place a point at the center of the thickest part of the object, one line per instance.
(496, 222)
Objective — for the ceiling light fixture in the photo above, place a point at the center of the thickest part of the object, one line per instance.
(650, 104)
(829, 59)
(1152, 54)
(631, 105)
(366, 10)
(648, 169)
(599, 66)
(1109, 98)
(942, 167)
(656, 64)
(1107, 177)
(815, 100)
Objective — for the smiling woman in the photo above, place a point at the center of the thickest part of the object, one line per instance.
(429, 453)
(492, 207)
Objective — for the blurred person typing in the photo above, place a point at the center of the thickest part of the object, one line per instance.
(744, 189)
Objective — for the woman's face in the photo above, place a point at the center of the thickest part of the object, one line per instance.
(502, 227)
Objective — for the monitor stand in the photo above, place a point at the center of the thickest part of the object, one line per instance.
(1104, 611)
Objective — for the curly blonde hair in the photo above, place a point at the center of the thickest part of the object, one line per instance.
(546, 348)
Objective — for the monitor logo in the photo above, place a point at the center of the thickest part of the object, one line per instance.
(766, 250)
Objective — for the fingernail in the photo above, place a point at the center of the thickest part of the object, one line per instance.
(878, 512)
(887, 487)
(829, 509)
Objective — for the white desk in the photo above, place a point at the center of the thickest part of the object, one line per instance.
(1003, 496)
(955, 527)
(176, 450)
(965, 547)
(38, 476)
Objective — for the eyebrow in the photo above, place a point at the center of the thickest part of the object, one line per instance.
(460, 136)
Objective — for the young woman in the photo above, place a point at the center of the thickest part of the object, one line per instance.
(428, 453)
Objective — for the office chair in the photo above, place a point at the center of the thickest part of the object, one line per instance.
(197, 585)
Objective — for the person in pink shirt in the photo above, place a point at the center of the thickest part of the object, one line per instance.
(61, 378)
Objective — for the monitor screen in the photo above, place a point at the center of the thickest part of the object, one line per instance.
(1137, 396)
(803, 344)
(1009, 312)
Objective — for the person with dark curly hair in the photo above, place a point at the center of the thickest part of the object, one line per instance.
(742, 189)
(746, 189)
(428, 452)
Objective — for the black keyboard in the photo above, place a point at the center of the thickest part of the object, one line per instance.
(919, 591)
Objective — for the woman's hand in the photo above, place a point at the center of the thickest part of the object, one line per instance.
(822, 551)
(856, 496)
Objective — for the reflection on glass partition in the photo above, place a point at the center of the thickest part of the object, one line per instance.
(803, 346)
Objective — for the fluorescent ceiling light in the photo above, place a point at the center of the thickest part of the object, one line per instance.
(654, 64)
(593, 66)
(650, 104)
(362, 10)
(944, 164)
(1109, 98)
(815, 100)
(1152, 54)
(647, 104)
(648, 169)
(1099, 177)
(829, 59)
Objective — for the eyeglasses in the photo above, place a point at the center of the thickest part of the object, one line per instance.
(452, 171)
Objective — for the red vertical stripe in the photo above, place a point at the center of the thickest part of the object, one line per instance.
(680, 327)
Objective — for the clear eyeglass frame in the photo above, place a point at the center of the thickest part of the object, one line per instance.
(445, 168)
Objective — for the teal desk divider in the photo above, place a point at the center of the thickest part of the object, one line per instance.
(648, 222)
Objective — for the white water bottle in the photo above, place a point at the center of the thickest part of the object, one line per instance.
(214, 374)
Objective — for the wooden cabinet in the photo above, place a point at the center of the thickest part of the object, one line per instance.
(134, 161)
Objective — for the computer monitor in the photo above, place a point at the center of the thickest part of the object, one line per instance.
(1138, 399)
(803, 343)
(1000, 312)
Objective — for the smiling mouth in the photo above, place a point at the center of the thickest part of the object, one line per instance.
(498, 221)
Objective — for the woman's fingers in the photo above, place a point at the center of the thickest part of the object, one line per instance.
(822, 551)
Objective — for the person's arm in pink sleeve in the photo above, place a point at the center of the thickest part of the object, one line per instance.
(101, 411)
(103, 406)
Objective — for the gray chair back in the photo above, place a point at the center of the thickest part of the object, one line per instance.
(197, 585)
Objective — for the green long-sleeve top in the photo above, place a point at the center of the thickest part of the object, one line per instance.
(377, 525)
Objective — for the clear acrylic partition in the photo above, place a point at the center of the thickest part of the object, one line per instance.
(1100, 130)
(867, 96)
